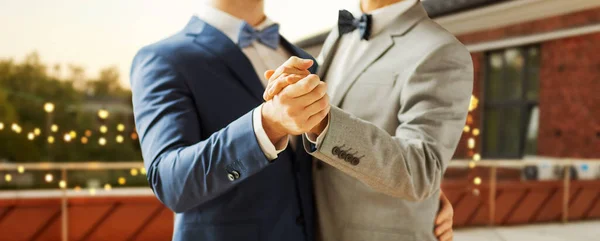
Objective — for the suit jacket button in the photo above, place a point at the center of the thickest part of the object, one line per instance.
(354, 161)
(335, 151)
(230, 176)
(342, 155)
(349, 158)
(236, 174)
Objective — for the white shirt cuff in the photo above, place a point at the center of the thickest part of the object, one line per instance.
(271, 151)
(314, 139)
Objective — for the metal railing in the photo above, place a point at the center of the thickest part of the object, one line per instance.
(64, 167)
(563, 164)
(65, 193)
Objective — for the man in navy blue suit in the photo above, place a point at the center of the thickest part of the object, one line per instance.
(227, 164)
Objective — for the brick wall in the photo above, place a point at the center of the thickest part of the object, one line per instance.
(569, 86)
(576, 19)
(570, 97)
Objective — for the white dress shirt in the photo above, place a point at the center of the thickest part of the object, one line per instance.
(262, 58)
(351, 47)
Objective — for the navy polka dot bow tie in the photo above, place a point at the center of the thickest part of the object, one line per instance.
(347, 23)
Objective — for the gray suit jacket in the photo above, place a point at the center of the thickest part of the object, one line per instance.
(401, 111)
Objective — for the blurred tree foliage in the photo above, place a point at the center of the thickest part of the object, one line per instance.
(25, 87)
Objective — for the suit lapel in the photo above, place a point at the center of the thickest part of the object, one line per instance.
(378, 46)
(328, 51)
(224, 48)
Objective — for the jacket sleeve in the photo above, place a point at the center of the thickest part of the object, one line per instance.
(183, 170)
(410, 163)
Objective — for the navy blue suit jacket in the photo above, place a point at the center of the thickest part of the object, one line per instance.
(193, 96)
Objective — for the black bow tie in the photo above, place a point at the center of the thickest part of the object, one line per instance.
(347, 23)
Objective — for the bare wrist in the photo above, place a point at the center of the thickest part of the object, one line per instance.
(272, 128)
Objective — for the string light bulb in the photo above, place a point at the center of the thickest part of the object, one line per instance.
(49, 178)
(473, 103)
(107, 187)
(54, 128)
(122, 181)
(21, 169)
(119, 139)
(466, 129)
(67, 138)
(471, 143)
(471, 164)
(103, 114)
(51, 139)
(16, 128)
(475, 132)
(88, 133)
(84, 140)
(120, 127)
(102, 141)
(77, 188)
(476, 157)
(477, 180)
(8, 178)
(48, 107)
(134, 136)
(92, 191)
(62, 184)
(143, 171)
(37, 131)
(1, 126)
(133, 172)
(30, 136)
(73, 134)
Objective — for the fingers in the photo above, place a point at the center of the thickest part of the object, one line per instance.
(443, 228)
(269, 73)
(293, 65)
(302, 87)
(314, 95)
(447, 236)
(318, 105)
(278, 84)
(446, 212)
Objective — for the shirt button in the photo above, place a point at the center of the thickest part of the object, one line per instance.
(230, 176)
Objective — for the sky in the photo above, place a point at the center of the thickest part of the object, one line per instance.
(100, 33)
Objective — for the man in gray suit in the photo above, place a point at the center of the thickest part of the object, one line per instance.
(400, 87)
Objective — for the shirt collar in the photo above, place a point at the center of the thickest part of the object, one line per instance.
(382, 17)
(225, 22)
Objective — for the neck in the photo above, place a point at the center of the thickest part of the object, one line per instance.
(368, 6)
(251, 11)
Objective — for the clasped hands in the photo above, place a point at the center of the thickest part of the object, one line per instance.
(296, 101)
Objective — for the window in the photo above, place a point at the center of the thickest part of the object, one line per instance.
(511, 111)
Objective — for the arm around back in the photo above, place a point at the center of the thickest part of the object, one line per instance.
(183, 170)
